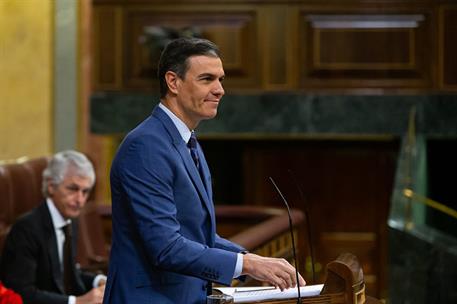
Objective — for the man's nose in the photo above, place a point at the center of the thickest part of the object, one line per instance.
(218, 89)
(81, 196)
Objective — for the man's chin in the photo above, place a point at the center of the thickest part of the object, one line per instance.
(72, 214)
(210, 116)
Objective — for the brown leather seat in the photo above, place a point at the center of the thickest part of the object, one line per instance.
(93, 251)
(26, 184)
(20, 188)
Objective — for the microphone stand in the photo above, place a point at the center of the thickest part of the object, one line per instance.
(291, 235)
(308, 223)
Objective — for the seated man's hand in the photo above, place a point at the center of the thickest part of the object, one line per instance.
(277, 272)
(95, 296)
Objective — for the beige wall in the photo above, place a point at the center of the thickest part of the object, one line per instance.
(26, 46)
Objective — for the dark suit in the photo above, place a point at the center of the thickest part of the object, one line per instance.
(30, 262)
(165, 248)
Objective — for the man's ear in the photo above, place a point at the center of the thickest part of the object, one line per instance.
(172, 80)
(51, 187)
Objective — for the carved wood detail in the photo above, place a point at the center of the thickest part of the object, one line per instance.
(374, 50)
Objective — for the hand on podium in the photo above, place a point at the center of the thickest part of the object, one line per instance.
(277, 272)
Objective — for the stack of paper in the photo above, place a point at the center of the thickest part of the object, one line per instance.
(248, 294)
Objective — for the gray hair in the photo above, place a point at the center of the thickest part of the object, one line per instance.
(59, 165)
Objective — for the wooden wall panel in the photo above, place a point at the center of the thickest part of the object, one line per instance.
(363, 50)
(106, 48)
(347, 186)
(233, 31)
(275, 47)
(448, 47)
(288, 45)
(334, 49)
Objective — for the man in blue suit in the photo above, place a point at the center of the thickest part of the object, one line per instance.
(165, 248)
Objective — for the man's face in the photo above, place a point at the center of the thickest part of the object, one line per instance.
(70, 196)
(199, 93)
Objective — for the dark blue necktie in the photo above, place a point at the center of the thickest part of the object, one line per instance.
(192, 145)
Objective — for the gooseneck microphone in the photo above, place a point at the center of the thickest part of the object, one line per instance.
(292, 236)
(308, 223)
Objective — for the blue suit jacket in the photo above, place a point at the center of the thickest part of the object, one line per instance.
(164, 248)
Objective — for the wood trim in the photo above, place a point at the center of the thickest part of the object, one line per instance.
(441, 48)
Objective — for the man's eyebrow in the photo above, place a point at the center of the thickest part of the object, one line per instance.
(74, 186)
(210, 75)
(205, 75)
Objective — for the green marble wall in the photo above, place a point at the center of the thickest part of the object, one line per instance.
(290, 113)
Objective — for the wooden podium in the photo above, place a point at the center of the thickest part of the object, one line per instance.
(344, 285)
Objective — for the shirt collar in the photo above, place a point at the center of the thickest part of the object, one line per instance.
(179, 124)
(58, 220)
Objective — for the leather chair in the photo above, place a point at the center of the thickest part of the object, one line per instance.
(20, 188)
(93, 250)
(26, 184)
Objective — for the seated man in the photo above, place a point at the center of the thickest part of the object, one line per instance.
(38, 257)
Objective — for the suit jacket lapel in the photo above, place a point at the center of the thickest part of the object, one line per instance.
(52, 247)
(207, 182)
(205, 171)
(180, 145)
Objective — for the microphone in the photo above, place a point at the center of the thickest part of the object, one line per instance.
(308, 223)
(292, 236)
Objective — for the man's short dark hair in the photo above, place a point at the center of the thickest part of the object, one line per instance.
(176, 54)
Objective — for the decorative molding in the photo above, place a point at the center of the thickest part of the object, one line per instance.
(365, 21)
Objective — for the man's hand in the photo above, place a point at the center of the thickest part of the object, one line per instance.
(277, 272)
(95, 296)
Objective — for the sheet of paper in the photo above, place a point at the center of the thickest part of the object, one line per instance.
(248, 294)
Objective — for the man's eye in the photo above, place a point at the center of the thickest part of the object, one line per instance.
(77, 189)
(207, 77)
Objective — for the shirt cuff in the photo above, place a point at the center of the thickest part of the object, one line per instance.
(71, 300)
(97, 280)
(238, 266)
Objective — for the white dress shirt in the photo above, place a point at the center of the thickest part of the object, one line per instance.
(59, 222)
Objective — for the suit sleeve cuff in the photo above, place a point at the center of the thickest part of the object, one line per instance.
(238, 265)
(97, 279)
(71, 300)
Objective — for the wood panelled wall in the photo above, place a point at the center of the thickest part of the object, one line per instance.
(346, 189)
(288, 45)
(348, 46)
